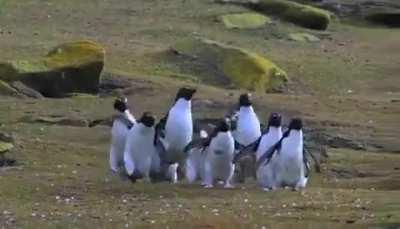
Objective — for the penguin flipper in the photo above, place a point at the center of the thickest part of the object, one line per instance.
(266, 157)
(248, 150)
(160, 126)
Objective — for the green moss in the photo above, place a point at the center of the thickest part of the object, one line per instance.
(235, 66)
(244, 20)
(300, 14)
(5, 147)
(70, 67)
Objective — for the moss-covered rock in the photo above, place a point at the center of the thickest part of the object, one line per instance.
(244, 20)
(5, 147)
(70, 67)
(7, 90)
(300, 14)
(239, 68)
(303, 37)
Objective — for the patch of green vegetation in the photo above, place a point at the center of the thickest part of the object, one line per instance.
(244, 20)
(70, 67)
(300, 14)
(5, 147)
(241, 68)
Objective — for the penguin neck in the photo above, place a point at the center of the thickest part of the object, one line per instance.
(296, 135)
(129, 116)
(294, 143)
(275, 131)
(144, 129)
(183, 104)
(246, 110)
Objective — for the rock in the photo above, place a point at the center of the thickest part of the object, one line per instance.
(303, 37)
(244, 20)
(5, 137)
(7, 90)
(230, 66)
(111, 82)
(390, 19)
(70, 67)
(64, 121)
(5, 147)
(297, 13)
(25, 90)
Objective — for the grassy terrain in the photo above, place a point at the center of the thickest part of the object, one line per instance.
(347, 84)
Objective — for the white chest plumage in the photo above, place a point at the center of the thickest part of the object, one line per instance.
(268, 140)
(220, 155)
(248, 126)
(179, 127)
(291, 165)
(139, 149)
(119, 132)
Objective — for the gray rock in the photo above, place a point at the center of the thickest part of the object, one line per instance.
(25, 90)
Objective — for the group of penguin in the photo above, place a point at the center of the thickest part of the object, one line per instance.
(144, 149)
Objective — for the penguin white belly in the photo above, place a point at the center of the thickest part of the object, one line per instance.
(119, 133)
(248, 128)
(178, 133)
(266, 174)
(194, 168)
(219, 158)
(139, 151)
(291, 169)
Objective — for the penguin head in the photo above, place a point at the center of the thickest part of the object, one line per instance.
(224, 125)
(185, 93)
(295, 124)
(245, 100)
(121, 104)
(147, 119)
(275, 120)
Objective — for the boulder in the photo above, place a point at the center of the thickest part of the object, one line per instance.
(58, 120)
(70, 67)
(297, 13)
(303, 37)
(387, 18)
(7, 90)
(231, 66)
(25, 90)
(244, 20)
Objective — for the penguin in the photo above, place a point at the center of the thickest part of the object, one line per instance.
(247, 130)
(177, 128)
(219, 153)
(141, 156)
(122, 122)
(194, 167)
(287, 159)
(271, 135)
(248, 127)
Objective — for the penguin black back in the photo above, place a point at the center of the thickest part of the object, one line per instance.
(185, 93)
